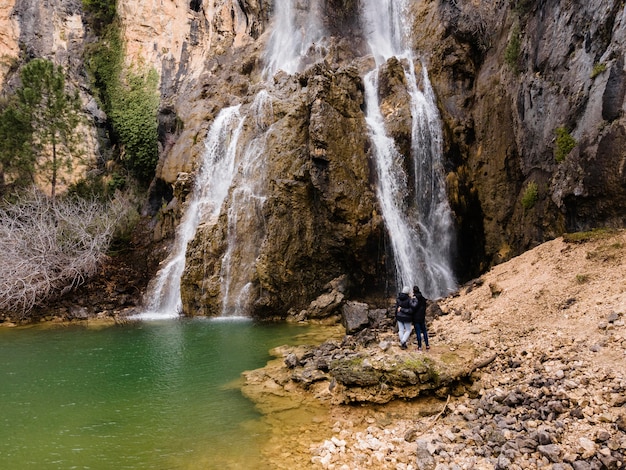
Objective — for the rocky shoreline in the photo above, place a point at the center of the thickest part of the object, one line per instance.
(539, 381)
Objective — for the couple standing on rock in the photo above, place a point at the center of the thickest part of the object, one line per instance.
(411, 311)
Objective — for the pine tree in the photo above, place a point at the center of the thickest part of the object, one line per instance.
(43, 125)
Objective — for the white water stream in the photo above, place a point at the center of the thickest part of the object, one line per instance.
(246, 224)
(421, 230)
(205, 202)
(297, 33)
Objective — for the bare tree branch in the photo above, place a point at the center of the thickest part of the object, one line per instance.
(48, 246)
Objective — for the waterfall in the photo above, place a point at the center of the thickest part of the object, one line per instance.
(246, 230)
(421, 230)
(205, 202)
(296, 33)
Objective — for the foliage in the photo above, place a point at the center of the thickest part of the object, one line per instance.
(49, 246)
(513, 48)
(597, 69)
(16, 159)
(582, 278)
(564, 144)
(45, 118)
(523, 7)
(529, 198)
(134, 116)
(130, 98)
(100, 13)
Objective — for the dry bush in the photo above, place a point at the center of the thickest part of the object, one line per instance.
(49, 246)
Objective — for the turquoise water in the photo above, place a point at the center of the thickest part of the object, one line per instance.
(150, 395)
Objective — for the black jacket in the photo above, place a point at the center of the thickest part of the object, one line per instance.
(418, 305)
(405, 312)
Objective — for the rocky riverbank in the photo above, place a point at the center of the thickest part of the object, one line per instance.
(533, 354)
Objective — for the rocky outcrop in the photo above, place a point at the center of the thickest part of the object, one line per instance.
(318, 220)
(547, 388)
(502, 105)
(53, 30)
(9, 34)
(367, 366)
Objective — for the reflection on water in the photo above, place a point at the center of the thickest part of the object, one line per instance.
(145, 395)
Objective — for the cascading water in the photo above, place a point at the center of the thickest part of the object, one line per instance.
(421, 231)
(294, 35)
(245, 219)
(209, 191)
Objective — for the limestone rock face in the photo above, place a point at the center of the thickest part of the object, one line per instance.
(501, 107)
(9, 34)
(318, 219)
(53, 30)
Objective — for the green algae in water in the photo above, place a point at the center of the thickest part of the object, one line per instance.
(146, 395)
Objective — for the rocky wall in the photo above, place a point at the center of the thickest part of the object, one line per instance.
(502, 106)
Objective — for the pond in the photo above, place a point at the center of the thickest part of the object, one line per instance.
(147, 395)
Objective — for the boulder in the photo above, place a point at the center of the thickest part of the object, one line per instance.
(354, 316)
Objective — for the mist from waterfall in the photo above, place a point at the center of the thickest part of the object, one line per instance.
(421, 230)
(210, 189)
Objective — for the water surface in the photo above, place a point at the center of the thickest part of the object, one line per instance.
(155, 395)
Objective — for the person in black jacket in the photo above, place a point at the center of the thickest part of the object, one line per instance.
(418, 304)
(404, 316)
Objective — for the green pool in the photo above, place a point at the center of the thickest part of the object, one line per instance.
(148, 395)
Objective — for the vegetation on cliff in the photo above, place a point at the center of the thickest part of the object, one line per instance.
(53, 243)
(40, 127)
(127, 94)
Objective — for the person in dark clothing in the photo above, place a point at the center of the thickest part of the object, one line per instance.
(404, 316)
(418, 305)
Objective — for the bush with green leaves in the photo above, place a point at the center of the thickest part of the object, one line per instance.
(564, 143)
(529, 198)
(597, 69)
(130, 98)
(100, 13)
(513, 49)
(135, 103)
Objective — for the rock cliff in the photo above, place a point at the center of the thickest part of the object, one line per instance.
(508, 75)
(531, 94)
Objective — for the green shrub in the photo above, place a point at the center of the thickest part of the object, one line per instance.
(117, 181)
(513, 48)
(594, 234)
(523, 7)
(99, 13)
(134, 115)
(131, 100)
(529, 198)
(564, 144)
(582, 278)
(597, 70)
